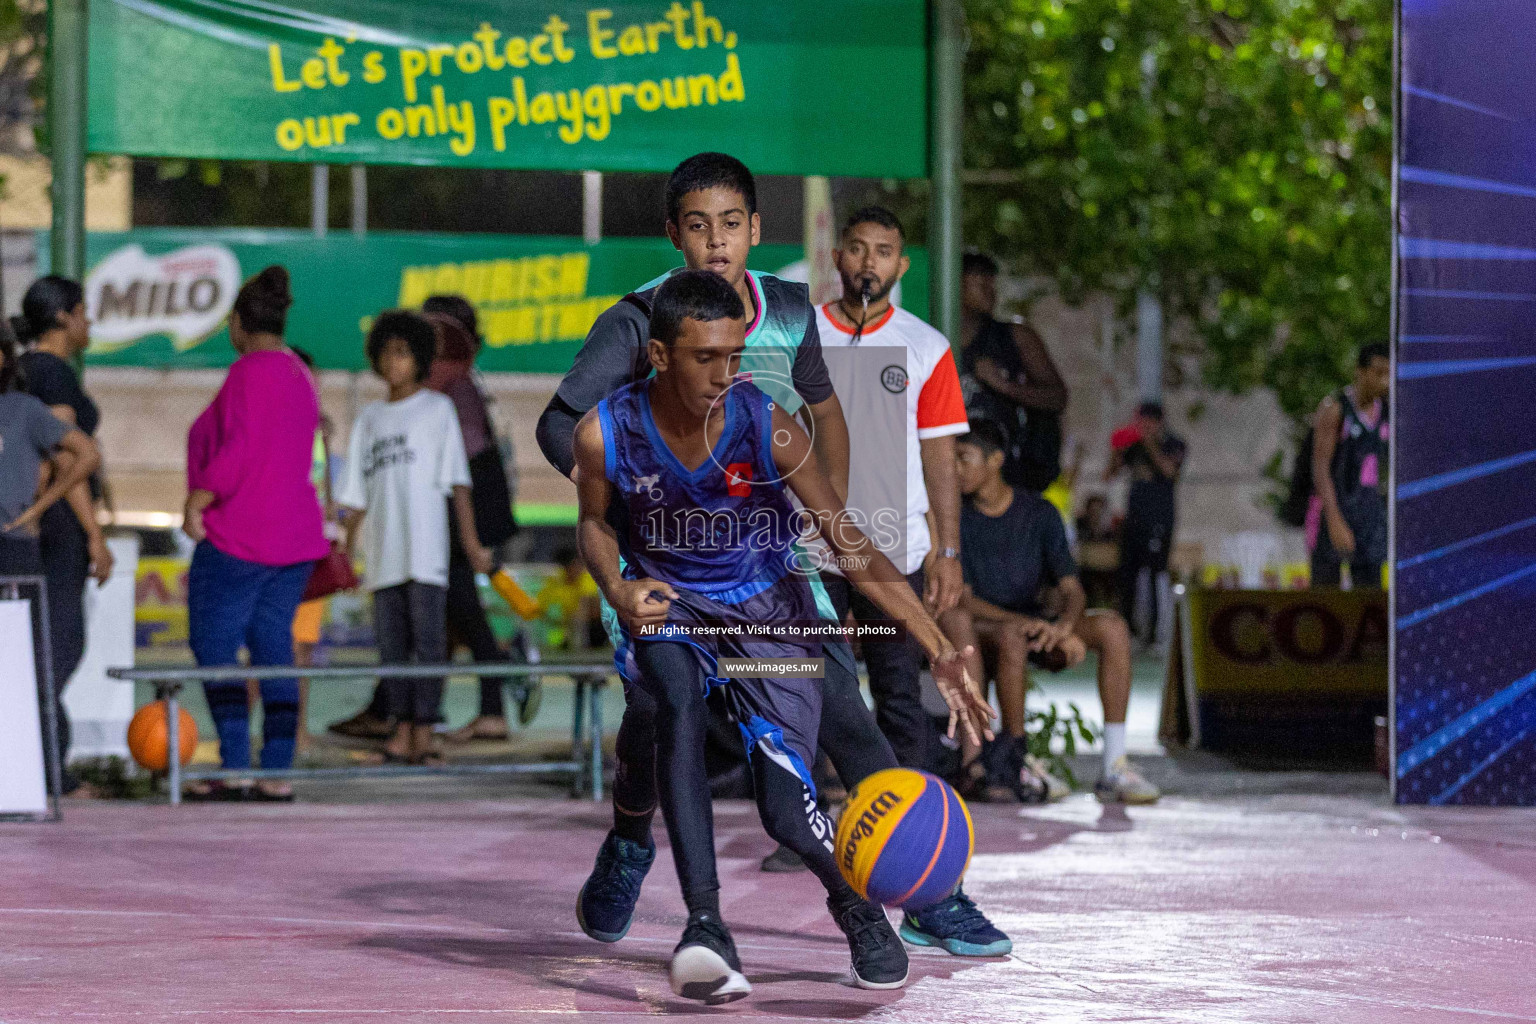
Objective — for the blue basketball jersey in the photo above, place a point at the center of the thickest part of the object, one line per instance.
(725, 529)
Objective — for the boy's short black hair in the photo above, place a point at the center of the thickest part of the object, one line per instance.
(1373, 350)
(874, 215)
(978, 263)
(412, 328)
(692, 295)
(987, 436)
(567, 554)
(709, 170)
(1151, 410)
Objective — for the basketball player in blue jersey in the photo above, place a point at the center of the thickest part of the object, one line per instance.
(701, 563)
(711, 216)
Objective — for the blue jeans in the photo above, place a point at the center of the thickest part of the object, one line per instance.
(233, 603)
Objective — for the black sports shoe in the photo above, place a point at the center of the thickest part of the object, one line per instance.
(606, 904)
(879, 959)
(705, 965)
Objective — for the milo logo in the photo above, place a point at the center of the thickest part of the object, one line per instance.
(862, 829)
(185, 295)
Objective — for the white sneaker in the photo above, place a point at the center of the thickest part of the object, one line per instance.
(1125, 785)
(705, 966)
(1056, 788)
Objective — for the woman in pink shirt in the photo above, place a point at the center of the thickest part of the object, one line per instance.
(256, 519)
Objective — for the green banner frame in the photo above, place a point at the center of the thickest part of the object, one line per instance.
(790, 87)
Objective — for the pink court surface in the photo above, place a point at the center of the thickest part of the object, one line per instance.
(1259, 909)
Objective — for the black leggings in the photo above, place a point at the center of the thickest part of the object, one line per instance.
(849, 735)
(661, 756)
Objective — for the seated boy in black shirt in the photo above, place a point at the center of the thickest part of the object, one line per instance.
(1014, 552)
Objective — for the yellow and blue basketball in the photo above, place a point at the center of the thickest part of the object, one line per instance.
(905, 839)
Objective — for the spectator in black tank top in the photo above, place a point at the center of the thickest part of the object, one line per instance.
(53, 323)
(1009, 378)
(1352, 438)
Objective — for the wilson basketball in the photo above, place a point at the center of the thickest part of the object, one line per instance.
(148, 736)
(905, 839)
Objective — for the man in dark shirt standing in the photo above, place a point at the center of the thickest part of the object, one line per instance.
(1013, 548)
(1154, 457)
(1009, 378)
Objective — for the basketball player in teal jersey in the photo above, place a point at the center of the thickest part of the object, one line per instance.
(712, 219)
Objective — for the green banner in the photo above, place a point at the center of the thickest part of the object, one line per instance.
(790, 87)
(160, 296)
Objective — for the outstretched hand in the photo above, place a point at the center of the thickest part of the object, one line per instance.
(968, 706)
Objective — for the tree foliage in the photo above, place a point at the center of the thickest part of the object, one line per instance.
(23, 25)
(1232, 156)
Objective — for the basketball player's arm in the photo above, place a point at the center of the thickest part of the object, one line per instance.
(1325, 441)
(868, 569)
(831, 442)
(633, 600)
(606, 362)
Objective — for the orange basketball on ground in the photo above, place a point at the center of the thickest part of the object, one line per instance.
(148, 736)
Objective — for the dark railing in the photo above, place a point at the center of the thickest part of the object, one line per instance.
(586, 763)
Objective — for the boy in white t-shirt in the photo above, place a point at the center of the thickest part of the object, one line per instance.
(406, 456)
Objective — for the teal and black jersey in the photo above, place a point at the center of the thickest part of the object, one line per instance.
(783, 356)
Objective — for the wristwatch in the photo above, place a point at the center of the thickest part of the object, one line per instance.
(949, 552)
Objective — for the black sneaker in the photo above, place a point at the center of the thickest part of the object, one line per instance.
(606, 904)
(705, 965)
(879, 959)
(783, 860)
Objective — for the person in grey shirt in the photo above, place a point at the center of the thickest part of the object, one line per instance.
(30, 436)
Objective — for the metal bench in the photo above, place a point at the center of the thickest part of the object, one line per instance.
(585, 765)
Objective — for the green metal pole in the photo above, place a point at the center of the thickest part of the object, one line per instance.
(946, 111)
(66, 130)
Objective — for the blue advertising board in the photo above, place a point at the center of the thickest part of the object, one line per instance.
(1464, 451)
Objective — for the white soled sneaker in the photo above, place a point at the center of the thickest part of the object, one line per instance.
(1125, 785)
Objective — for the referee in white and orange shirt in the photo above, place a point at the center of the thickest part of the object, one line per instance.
(902, 458)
